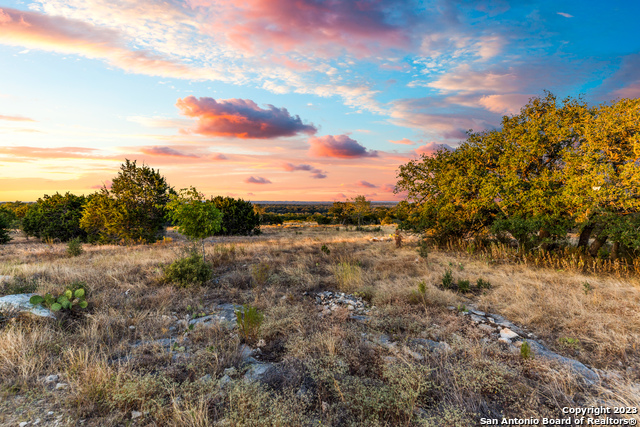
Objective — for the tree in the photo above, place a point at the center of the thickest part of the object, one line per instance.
(133, 210)
(6, 218)
(194, 216)
(239, 216)
(55, 217)
(361, 207)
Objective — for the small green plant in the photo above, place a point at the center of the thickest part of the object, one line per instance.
(568, 342)
(188, 270)
(423, 249)
(447, 279)
(462, 308)
(260, 273)
(74, 247)
(325, 250)
(348, 275)
(483, 284)
(249, 320)
(464, 285)
(73, 297)
(525, 351)
(586, 287)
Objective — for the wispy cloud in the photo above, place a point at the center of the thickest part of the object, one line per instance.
(257, 180)
(16, 118)
(566, 15)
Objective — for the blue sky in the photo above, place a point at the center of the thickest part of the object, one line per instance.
(283, 99)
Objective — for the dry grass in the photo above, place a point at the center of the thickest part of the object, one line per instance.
(335, 374)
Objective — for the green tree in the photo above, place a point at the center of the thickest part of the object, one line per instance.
(239, 216)
(133, 210)
(55, 217)
(194, 216)
(361, 208)
(6, 218)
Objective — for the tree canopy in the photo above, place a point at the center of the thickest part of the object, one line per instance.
(553, 168)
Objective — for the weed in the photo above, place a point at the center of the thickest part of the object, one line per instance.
(462, 308)
(483, 284)
(188, 270)
(525, 351)
(447, 279)
(18, 285)
(423, 249)
(325, 250)
(260, 273)
(348, 275)
(586, 287)
(464, 286)
(567, 342)
(74, 247)
(249, 320)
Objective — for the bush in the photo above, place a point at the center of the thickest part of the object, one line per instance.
(133, 210)
(464, 285)
(188, 271)
(249, 320)
(447, 279)
(238, 217)
(74, 247)
(55, 217)
(483, 284)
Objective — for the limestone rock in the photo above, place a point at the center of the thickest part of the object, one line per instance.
(20, 302)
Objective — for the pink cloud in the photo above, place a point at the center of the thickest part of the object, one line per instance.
(241, 118)
(325, 27)
(403, 141)
(14, 118)
(505, 104)
(315, 172)
(339, 146)
(388, 188)
(464, 79)
(257, 180)
(165, 151)
(107, 184)
(366, 184)
(57, 34)
(431, 148)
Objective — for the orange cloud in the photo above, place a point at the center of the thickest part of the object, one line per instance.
(14, 118)
(165, 151)
(316, 173)
(431, 148)
(505, 104)
(403, 141)
(241, 118)
(339, 146)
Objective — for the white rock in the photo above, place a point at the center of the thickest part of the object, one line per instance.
(132, 327)
(52, 379)
(21, 303)
(504, 340)
(23, 424)
(508, 334)
(62, 386)
(486, 328)
(135, 414)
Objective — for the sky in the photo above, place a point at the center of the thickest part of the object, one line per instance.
(305, 100)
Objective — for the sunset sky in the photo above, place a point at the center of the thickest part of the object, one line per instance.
(283, 99)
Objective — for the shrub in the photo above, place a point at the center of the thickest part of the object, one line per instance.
(55, 217)
(133, 210)
(325, 250)
(447, 279)
(239, 217)
(74, 247)
(423, 248)
(464, 285)
(188, 271)
(525, 351)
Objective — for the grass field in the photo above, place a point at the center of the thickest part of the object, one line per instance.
(330, 370)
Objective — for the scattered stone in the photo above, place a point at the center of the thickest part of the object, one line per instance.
(259, 372)
(587, 374)
(477, 318)
(224, 315)
(430, 344)
(413, 354)
(23, 424)
(205, 378)
(20, 302)
(390, 359)
(330, 301)
(477, 312)
(62, 386)
(135, 414)
(162, 342)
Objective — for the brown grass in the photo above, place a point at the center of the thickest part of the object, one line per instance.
(335, 374)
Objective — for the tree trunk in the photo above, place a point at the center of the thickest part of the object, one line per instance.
(597, 244)
(583, 241)
(615, 250)
(543, 234)
(203, 260)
